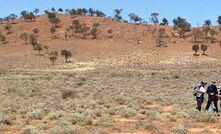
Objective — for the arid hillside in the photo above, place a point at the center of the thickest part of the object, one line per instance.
(114, 39)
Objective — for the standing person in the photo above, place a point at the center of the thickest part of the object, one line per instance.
(200, 95)
(219, 94)
(212, 96)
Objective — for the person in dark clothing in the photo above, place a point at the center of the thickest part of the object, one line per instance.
(212, 96)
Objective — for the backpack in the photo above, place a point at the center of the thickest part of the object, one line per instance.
(194, 91)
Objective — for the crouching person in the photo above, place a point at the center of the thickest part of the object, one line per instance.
(200, 95)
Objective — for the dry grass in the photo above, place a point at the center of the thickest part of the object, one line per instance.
(58, 103)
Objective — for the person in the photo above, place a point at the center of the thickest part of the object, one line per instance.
(200, 91)
(219, 94)
(212, 96)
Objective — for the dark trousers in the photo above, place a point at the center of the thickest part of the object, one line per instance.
(199, 101)
(213, 99)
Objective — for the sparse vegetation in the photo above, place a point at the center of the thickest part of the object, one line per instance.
(154, 18)
(213, 33)
(197, 35)
(165, 22)
(114, 85)
(134, 18)
(53, 56)
(24, 36)
(2, 38)
(38, 47)
(94, 30)
(52, 30)
(117, 15)
(182, 25)
(32, 39)
(110, 31)
(28, 16)
(195, 48)
(204, 48)
(161, 38)
(8, 27)
(66, 54)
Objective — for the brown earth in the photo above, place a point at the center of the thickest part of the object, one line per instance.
(122, 51)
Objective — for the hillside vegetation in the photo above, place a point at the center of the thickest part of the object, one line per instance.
(81, 72)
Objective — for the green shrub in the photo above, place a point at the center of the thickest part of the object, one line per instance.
(36, 114)
(129, 112)
(81, 119)
(153, 115)
(55, 115)
(204, 48)
(105, 121)
(68, 93)
(195, 48)
(180, 129)
(4, 119)
(205, 117)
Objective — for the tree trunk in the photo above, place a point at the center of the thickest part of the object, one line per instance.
(66, 59)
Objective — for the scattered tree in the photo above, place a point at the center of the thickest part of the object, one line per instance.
(117, 15)
(195, 48)
(84, 11)
(99, 13)
(55, 21)
(219, 20)
(154, 18)
(73, 12)
(53, 10)
(51, 15)
(197, 35)
(207, 23)
(75, 27)
(110, 33)
(60, 10)
(206, 31)
(8, 27)
(38, 47)
(161, 38)
(91, 11)
(94, 30)
(213, 33)
(204, 48)
(36, 11)
(134, 18)
(1, 20)
(28, 16)
(52, 30)
(46, 48)
(83, 30)
(35, 31)
(53, 56)
(66, 54)
(12, 17)
(32, 39)
(182, 25)
(66, 35)
(165, 22)
(24, 36)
